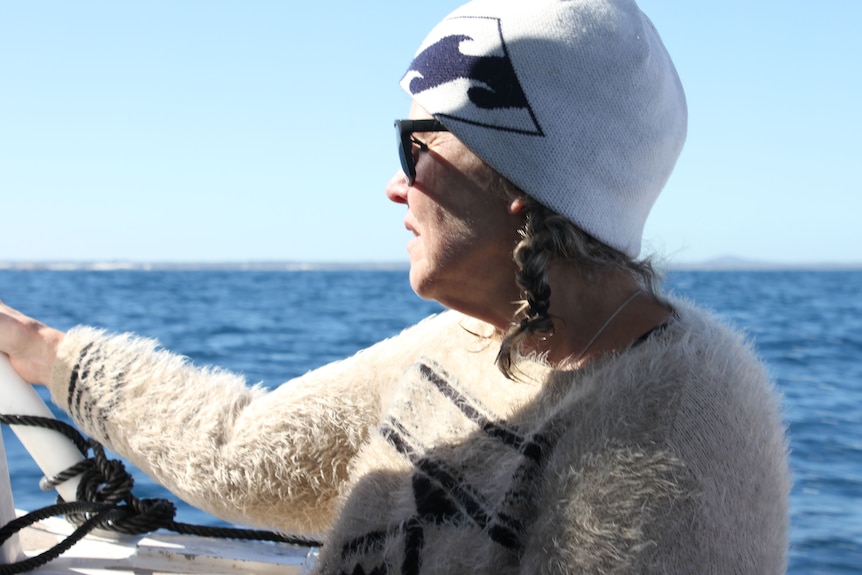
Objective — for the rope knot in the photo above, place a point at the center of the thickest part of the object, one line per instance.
(108, 482)
(145, 516)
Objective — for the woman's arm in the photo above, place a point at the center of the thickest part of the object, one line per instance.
(267, 458)
(271, 458)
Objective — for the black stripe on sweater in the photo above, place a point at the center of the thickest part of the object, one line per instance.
(443, 488)
(532, 448)
(373, 542)
(79, 371)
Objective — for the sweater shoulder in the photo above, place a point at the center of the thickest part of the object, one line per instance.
(677, 443)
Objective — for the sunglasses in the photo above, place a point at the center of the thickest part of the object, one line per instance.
(404, 130)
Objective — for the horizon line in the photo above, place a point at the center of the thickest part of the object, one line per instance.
(728, 263)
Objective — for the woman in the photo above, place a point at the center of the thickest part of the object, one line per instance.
(562, 417)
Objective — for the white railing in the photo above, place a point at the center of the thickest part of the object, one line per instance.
(52, 452)
(11, 549)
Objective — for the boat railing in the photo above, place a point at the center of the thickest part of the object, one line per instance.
(10, 551)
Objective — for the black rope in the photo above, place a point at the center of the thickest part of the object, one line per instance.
(103, 519)
(105, 501)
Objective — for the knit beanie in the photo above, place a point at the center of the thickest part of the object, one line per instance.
(576, 102)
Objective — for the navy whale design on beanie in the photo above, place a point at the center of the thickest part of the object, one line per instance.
(496, 85)
(470, 58)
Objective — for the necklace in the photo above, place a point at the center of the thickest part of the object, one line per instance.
(608, 321)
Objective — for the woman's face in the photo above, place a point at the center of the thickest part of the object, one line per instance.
(463, 232)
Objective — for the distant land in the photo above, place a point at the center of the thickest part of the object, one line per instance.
(735, 263)
(725, 263)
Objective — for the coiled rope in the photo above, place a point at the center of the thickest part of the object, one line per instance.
(105, 501)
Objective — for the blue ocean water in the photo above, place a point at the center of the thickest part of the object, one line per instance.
(273, 325)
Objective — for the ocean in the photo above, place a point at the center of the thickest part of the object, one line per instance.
(274, 325)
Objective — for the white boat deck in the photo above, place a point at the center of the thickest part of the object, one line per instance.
(161, 552)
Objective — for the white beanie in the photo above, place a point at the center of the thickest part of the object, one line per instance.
(576, 102)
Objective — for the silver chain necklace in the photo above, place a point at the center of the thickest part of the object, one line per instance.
(608, 321)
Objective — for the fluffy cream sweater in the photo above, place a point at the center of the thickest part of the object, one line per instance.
(418, 456)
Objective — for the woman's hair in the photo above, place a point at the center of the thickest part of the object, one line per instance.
(547, 237)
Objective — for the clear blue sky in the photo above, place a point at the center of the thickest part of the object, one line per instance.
(204, 130)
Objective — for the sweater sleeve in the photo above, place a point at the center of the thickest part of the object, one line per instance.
(276, 459)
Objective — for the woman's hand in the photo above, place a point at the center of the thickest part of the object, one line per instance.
(31, 345)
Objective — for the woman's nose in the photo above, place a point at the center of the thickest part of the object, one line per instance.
(396, 189)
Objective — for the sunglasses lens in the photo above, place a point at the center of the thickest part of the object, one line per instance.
(405, 152)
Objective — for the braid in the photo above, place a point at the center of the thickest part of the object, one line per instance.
(532, 259)
(545, 237)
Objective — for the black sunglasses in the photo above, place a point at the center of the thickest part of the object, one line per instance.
(404, 132)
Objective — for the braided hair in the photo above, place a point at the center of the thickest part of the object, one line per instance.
(544, 238)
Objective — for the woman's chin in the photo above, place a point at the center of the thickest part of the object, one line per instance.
(420, 280)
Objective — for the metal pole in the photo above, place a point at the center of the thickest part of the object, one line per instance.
(10, 552)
